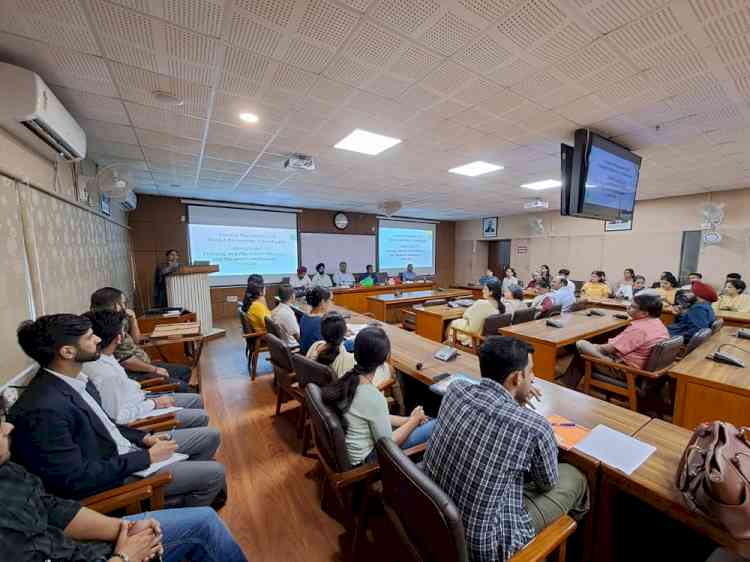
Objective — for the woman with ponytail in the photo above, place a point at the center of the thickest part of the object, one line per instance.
(474, 316)
(330, 350)
(364, 410)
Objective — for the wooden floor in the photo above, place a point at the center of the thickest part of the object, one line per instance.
(273, 510)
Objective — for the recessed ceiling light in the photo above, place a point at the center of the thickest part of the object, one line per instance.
(167, 98)
(475, 168)
(249, 117)
(544, 184)
(366, 142)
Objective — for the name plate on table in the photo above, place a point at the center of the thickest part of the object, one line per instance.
(183, 329)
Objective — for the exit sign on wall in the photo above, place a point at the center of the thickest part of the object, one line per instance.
(520, 250)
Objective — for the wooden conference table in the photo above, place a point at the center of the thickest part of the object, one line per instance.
(432, 320)
(652, 483)
(476, 290)
(355, 298)
(547, 340)
(386, 307)
(707, 390)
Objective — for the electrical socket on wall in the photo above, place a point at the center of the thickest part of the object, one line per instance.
(232, 298)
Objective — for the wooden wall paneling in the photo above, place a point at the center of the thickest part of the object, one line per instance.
(445, 254)
(314, 220)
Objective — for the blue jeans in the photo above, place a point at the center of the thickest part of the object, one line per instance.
(194, 533)
(420, 435)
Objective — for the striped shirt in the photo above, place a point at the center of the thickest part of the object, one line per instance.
(484, 447)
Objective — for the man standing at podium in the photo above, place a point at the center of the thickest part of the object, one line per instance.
(160, 278)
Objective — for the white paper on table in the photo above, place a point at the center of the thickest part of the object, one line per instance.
(356, 328)
(146, 472)
(161, 412)
(616, 449)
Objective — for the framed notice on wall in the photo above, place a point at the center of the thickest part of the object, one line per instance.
(489, 227)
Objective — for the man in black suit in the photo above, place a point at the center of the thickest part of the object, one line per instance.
(64, 436)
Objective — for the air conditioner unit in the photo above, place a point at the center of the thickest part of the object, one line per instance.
(30, 111)
(131, 202)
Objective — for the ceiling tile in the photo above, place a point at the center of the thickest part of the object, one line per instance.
(405, 16)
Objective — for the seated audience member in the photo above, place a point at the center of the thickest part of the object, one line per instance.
(513, 299)
(65, 438)
(331, 351)
(633, 345)
(668, 286)
(639, 284)
(488, 277)
(625, 287)
(121, 397)
(733, 298)
(284, 316)
(510, 278)
(534, 282)
(301, 281)
(35, 525)
(363, 409)
(564, 273)
(370, 279)
(496, 458)
(695, 277)
(255, 307)
(474, 316)
(342, 278)
(321, 278)
(545, 273)
(130, 355)
(319, 299)
(561, 295)
(693, 311)
(409, 274)
(596, 286)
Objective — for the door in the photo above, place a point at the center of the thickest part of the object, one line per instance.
(498, 256)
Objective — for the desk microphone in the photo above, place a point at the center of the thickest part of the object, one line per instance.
(743, 333)
(721, 357)
(554, 323)
(595, 312)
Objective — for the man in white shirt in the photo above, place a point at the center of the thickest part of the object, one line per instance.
(301, 281)
(64, 436)
(122, 397)
(321, 278)
(342, 278)
(284, 316)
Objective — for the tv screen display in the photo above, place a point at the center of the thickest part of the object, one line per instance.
(609, 182)
(566, 168)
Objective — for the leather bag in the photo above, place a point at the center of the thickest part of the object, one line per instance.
(714, 478)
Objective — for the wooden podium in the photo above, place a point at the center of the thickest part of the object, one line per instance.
(188, 288)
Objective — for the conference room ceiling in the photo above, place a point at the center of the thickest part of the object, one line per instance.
(503, 81)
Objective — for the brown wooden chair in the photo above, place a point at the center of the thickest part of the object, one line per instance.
(156, 424)
(142, 495)
(156, 385)
(621, 380)
(523, 315)
(717, 325)
(454, 340)
(429, 523)
(408, 319)
(254, 343)
(345, 489)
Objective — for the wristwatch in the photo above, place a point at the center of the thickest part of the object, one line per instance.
(123, 557)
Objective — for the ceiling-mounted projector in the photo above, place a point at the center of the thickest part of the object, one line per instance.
(536, 204)
(300, 162)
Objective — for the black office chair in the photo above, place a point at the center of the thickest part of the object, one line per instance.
(429, 523)
(697, 340)
(717, 325)
(492, 324)
(523, 315)
(283, 371)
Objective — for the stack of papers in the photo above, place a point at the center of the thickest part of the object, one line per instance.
(354, 329)
(161, 412)
(616, 449)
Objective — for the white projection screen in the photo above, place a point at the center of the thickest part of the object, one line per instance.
(403, 242)
(242, 241)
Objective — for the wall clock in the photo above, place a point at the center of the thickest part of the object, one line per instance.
(341, 221)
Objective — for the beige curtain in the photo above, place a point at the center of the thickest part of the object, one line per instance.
(15, 296)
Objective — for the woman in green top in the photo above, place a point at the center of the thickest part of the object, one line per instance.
(364, 410)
